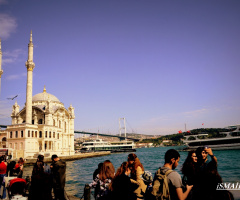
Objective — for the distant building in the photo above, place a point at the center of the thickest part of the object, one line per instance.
(140, 145)
(43, 126)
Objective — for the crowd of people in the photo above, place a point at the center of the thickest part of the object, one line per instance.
(132, 182)
(45, 178)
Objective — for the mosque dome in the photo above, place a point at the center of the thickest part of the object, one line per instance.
(44, 96)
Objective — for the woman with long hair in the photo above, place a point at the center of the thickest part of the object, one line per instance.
(103, 179)
(137, 170)
(189, 171)
(41, 184)
(189, 168)
(122, 186)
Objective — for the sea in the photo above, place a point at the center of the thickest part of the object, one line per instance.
(80, 172)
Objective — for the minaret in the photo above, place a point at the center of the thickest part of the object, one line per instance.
(1, 71)
(30, 66)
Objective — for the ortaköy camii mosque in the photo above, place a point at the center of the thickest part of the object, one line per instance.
(44, 126)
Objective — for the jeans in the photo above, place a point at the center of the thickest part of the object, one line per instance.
(2, 184)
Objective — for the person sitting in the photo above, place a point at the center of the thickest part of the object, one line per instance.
(18, 169)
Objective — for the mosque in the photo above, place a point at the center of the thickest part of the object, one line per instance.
(44, 126)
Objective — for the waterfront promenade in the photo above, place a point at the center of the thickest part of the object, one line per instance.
(77, 156)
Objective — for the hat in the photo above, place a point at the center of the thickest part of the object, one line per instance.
(147, 176)
(54, 156)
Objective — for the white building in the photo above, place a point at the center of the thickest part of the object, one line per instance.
(43, 126)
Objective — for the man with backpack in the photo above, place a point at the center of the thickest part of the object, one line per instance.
(167, 183)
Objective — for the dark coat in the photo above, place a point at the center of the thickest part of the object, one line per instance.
(123, 188)
(41, 187)
(59, 174)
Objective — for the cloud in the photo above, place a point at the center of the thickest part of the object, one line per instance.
(8, 24)
(5, 114)
(12, 56)
(2, 2)
(196, 112)
(16, 76)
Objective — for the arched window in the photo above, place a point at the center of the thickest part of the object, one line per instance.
(4, 142)
(28, 133)
(21, 133)
(10, 134)
(40, 134)
(16, 134)
(40, 121)
(50, 134)
(32, 133)
(36, 134)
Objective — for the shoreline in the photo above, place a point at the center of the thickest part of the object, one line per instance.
(30, 161)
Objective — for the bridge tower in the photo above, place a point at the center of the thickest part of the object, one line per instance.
(122, 126)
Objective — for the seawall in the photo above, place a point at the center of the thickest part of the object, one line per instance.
(78, 156)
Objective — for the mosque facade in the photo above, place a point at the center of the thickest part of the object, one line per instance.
(43, 126)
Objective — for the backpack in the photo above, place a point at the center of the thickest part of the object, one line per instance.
(160, 186)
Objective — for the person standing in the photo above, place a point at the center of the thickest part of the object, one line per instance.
(3, 173)
(41, 183)
(58, 169)
(137, 170)
(190, 171)
(122, 186)
(172, 158)
(103, 180)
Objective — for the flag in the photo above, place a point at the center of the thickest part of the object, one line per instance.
(180, 131)
(188, 131)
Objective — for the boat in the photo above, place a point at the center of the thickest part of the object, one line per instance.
(114, 147)
(229, 139)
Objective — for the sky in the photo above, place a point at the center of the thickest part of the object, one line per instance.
(163, 65)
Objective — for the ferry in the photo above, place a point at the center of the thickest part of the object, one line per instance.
(114, 147)
(228, 140)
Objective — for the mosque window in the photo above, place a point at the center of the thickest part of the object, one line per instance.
(40, 134)
(16, 134)
(28, 133)
(21, 133)
(21, 146)
(50, 134)
(45, 134)
(11, 134)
